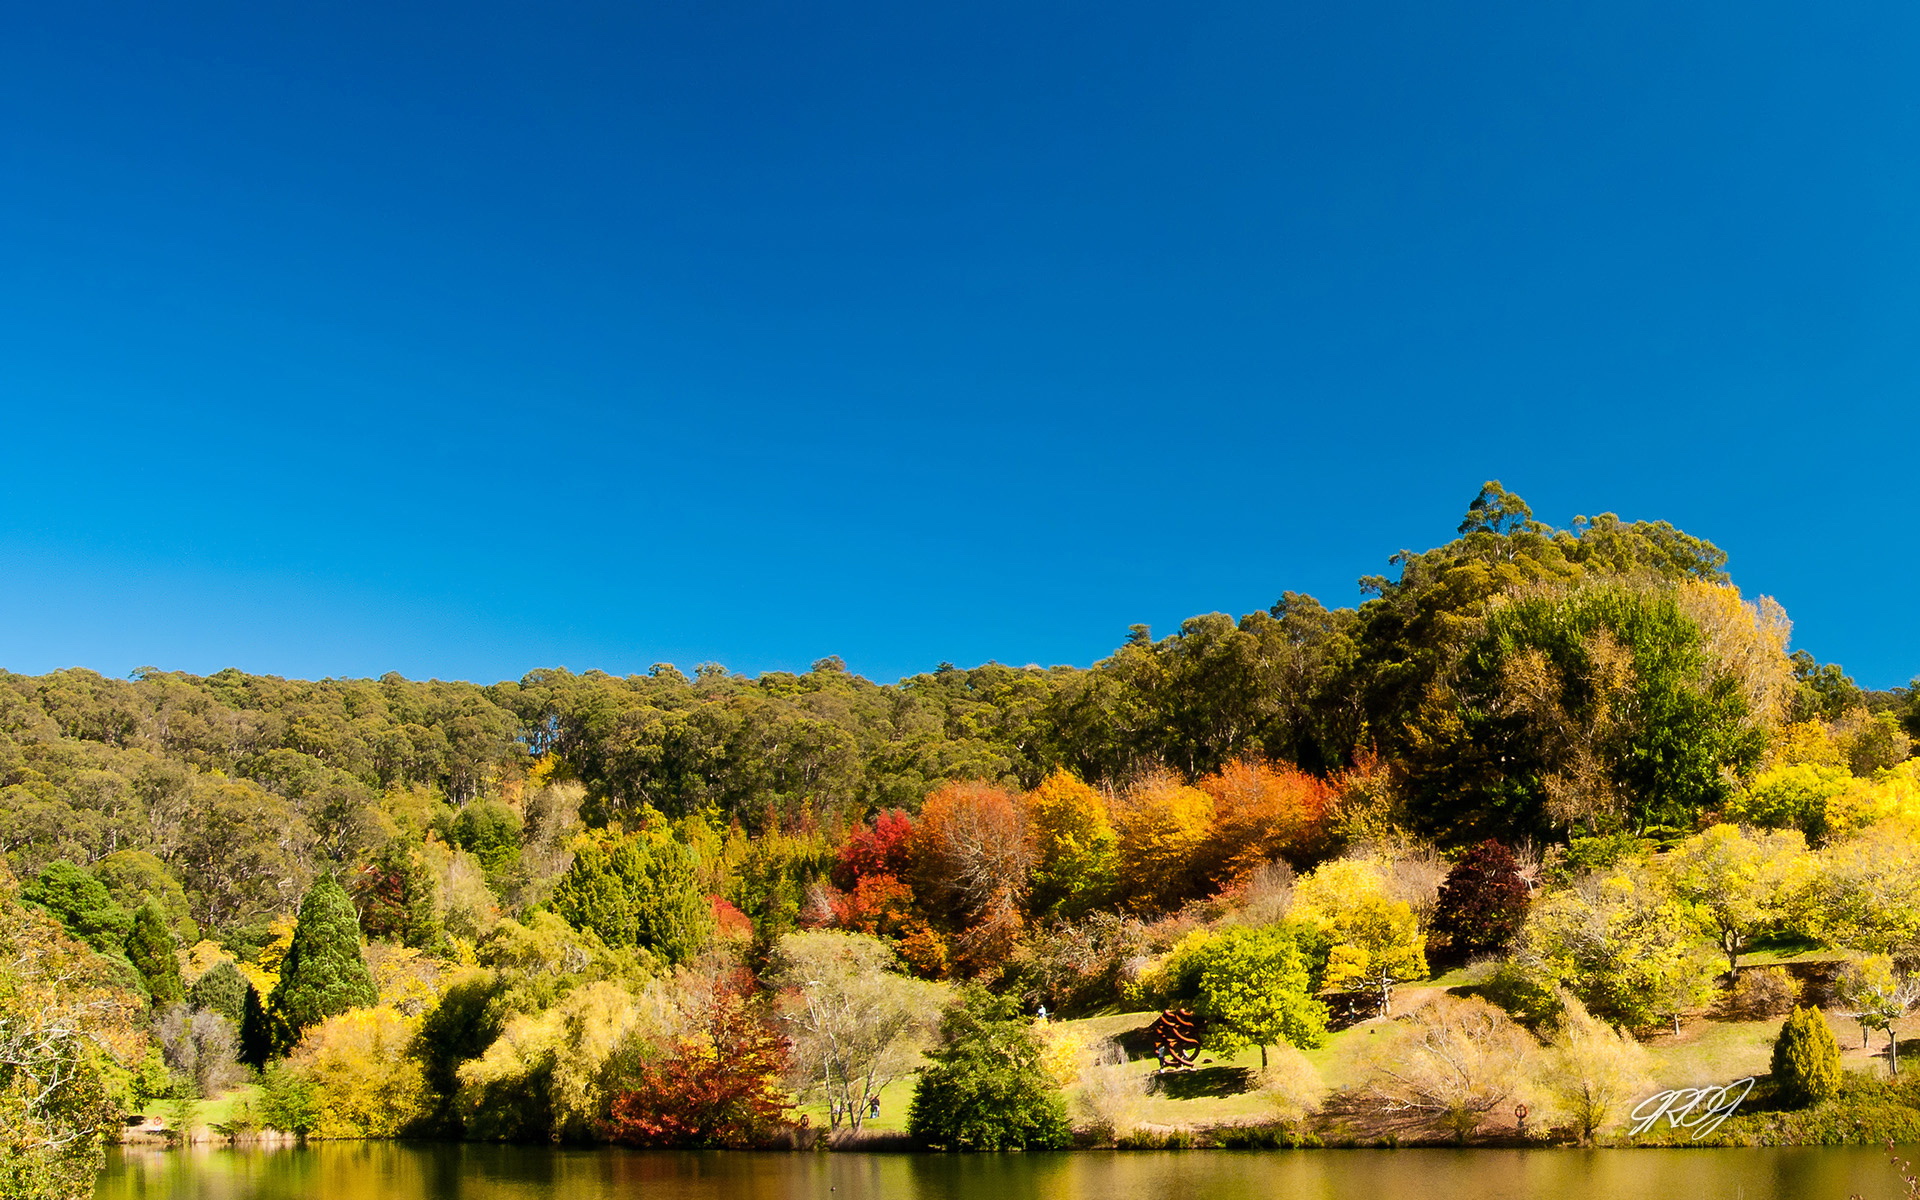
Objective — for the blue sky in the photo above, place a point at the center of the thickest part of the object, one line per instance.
(463, 339)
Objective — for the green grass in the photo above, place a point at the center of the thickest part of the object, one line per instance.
(215, 1111)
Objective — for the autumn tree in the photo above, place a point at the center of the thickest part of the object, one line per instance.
(1622, 943)
(719, 1087)
(1483, 901)
(1073, 846)
(66, 1029)
(971, 859)
(1163, 827)
(1262, 812)
(1375, 940)
(1737, 884)
(1876, 993)
(1865, 892)
(396, 895)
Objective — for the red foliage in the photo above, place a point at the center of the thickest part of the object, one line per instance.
(882, 848)
(729, 923)
(880, 904)
(721, 1090)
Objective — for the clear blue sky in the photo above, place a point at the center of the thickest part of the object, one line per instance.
(459, 339)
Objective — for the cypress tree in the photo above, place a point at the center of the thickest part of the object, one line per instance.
(323, 973)
(222, 990)
(1806, 1059)
(150, 949)
(256, 1032)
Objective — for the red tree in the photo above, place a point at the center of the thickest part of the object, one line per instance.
(882, 848)
(1484, 900)
(720, 1090)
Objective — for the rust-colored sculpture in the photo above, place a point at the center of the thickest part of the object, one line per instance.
(1176, 1043)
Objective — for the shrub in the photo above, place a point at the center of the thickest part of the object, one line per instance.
(1806, 1059)
(1763, 992)
(1291, 1085)
(720, 1089)
(1451, 1063)
(1111, 1095)
(1594, 1071)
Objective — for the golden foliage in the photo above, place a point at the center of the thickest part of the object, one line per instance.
(1164, 826)
(365, 1083)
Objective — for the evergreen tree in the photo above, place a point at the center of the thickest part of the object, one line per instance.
(640, 889)
(987, 1089)
(150, 949)
(1806, 1059)
(223, 990)
(324, 973)
(256, 1031)
(1483, 901)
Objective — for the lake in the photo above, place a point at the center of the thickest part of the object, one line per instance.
(392, 1171)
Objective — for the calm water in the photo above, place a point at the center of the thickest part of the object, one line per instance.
(384, 1171)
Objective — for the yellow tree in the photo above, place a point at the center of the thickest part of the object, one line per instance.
(1164, 826)
(1073, 846)
(1375, 941)
(1737, 884)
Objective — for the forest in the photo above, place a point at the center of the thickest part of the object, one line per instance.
(672, 910)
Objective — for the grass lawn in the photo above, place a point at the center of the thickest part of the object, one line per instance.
(207, 1113)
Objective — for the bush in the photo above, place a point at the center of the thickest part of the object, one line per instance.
(1763, 992)
(1806, 1060)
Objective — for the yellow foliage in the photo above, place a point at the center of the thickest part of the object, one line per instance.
(365, 1083)
(264, 972)
(1808, 742)
(1891, 795)
(1063, 1052)
(407, 981)
(204, 957)
(1747, 641)
(1164, 826)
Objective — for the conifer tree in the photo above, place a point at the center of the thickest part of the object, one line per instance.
(223, 990)
(1806, 1059)
(324, 973)
(256, 1031)
(151, 951)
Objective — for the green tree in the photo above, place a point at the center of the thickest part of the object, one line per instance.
(1254, 991)
(150, 949)
(81, 903)
(1806, 1059)
(223, 989)
(639, 889)
(986, 1088)
(134, 876)
(324, 972)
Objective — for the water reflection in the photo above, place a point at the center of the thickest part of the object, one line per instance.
(389, 1171)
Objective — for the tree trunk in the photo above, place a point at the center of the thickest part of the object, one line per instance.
(1263, 1056)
